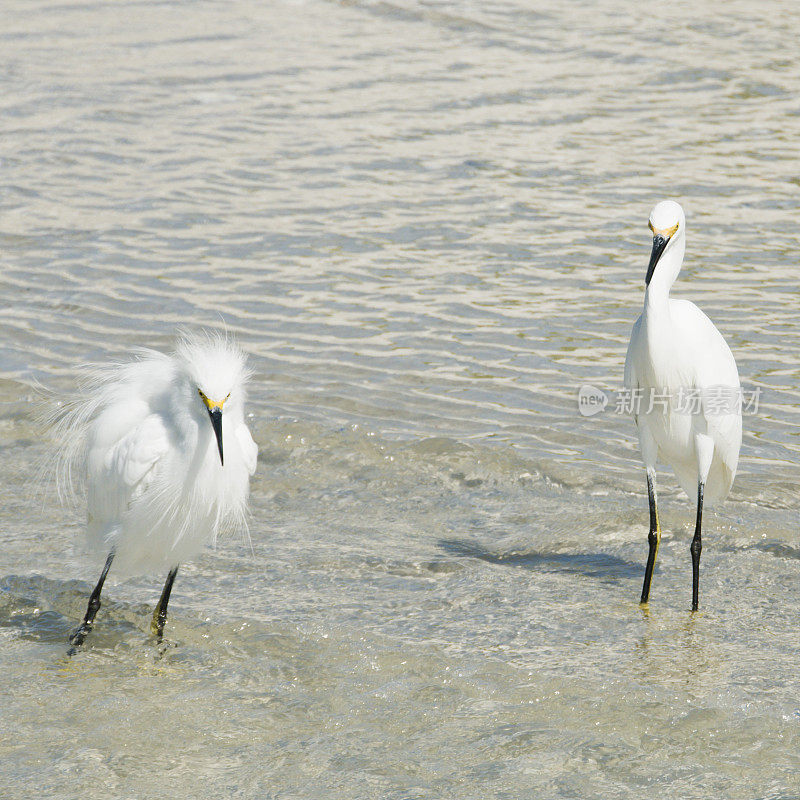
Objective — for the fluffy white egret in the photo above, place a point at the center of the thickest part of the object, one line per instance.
(166, 470)
(682, 376)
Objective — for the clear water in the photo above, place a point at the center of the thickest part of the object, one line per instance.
(426, 221)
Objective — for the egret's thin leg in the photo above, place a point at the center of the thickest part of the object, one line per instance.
(79, 635)
(160, 613)
(697, 547)
(653, 538)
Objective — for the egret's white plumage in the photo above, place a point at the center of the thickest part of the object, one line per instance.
(677, 356)
(158, 487)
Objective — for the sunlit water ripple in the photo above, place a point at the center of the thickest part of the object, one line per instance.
(426, 222)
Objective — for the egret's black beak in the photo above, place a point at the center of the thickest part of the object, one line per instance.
(659, 243)
(216, 424)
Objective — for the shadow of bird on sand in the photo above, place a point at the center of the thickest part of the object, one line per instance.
(602, 566)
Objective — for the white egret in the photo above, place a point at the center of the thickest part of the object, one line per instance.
(683, 377)
(166, 471)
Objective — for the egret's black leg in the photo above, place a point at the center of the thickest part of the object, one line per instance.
(80, 634)
(160, 613)
(653, 538)
(697, 547)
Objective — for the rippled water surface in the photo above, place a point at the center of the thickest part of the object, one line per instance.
(426, 222)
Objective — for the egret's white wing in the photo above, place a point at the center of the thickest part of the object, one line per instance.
(248, 446)
(123, 468)
(134, 455)
(707, 357)
(712, 370)
(727, 432)
(631, 379)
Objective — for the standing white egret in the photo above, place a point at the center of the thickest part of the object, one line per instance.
(165, 469)
(683, 374)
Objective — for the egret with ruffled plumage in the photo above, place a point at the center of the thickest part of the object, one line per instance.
(166, 456)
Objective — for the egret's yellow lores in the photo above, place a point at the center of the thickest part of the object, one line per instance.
(685, 377)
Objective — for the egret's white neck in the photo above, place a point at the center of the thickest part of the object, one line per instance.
(656, 296)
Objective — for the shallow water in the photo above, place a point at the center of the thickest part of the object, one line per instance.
(427, 224)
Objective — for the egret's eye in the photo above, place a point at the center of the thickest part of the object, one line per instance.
(200, 392)
(227, 395)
